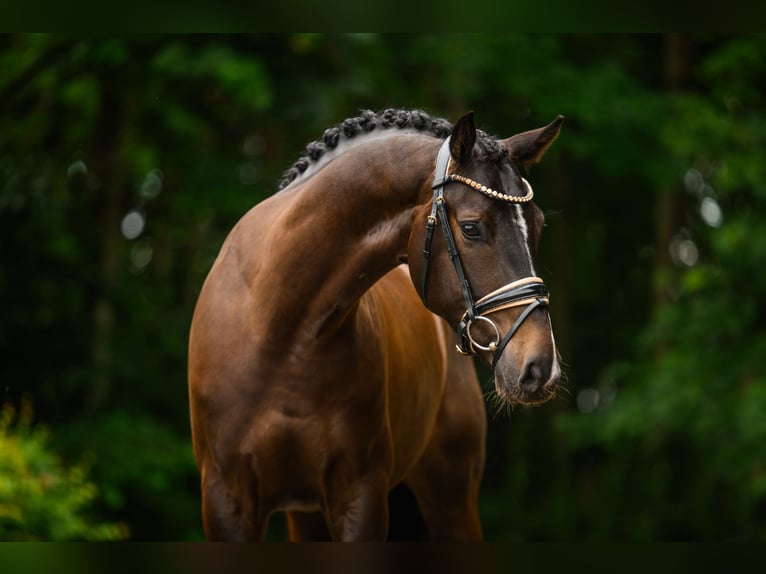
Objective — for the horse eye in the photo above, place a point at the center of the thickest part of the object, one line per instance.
(470, 229)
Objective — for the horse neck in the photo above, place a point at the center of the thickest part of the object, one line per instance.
(342, 229)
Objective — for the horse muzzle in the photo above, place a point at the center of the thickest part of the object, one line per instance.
(534, 383)
(526, 373)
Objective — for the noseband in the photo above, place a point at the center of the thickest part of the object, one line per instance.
(529, 291)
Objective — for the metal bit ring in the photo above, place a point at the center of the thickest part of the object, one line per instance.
(493, 344)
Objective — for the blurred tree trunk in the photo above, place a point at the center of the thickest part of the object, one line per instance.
(677, 68)
(109, 167)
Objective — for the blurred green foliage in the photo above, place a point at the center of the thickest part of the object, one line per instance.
(654, 201)
(42, 497)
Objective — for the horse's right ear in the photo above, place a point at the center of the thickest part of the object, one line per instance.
(463, 138)
(528, 147)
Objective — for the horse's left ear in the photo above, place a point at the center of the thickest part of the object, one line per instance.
(463, 138)
(529, 147)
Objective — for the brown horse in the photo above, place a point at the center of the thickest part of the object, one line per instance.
(319, 380)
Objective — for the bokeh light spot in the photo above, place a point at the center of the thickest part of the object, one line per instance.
(141, 254)
(693, 180)
(587, 400)
(133, 224)
(77, 168)
(152, 184)
(711, 212)
(683, 251)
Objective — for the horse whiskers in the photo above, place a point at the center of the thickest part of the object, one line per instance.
(497, 405)
(562, 385)
(493, 400)
(500, 407)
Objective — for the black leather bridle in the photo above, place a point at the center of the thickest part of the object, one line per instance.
(530, 291)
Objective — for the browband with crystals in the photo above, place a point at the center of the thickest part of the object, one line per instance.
(489, 192)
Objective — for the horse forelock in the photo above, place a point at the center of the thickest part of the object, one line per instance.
(351, 132)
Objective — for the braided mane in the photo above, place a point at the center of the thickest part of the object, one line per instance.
(368, 121)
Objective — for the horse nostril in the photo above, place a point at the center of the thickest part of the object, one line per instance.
(531, 377)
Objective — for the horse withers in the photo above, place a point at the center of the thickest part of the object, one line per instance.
(326, 352)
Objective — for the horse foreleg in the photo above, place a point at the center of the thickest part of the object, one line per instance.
(446, 480)
(362, 515)
(448, 498)
(230, 513)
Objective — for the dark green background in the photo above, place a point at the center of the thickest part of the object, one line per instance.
(653, 250)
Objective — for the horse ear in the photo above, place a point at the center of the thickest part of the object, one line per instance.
(529, 147)
(463, 138)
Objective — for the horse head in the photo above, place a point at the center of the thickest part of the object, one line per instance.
(478, 271)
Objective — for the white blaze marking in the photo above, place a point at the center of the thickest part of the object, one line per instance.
(524, 229)
(555, 367)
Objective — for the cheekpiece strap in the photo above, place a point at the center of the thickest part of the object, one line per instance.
(440, 178)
